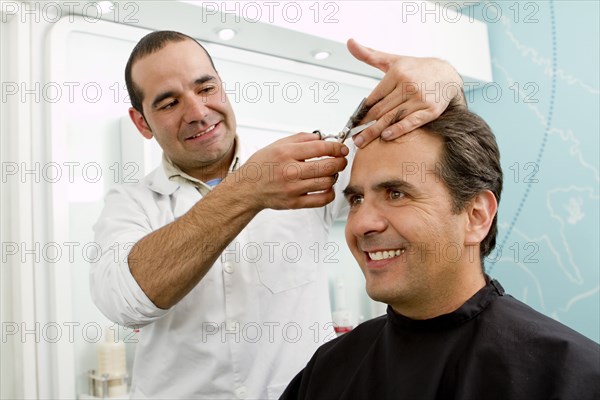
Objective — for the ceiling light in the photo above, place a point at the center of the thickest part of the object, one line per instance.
(321, 54)
(105, 7)
(226, 34)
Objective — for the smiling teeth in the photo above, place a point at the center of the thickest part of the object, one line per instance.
(382, 255)
(203, 132)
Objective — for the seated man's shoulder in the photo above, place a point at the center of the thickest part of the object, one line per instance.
(521, 323)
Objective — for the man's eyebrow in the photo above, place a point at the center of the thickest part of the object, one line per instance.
(165, 95)
(204, 79)
(160, 97)
(351, 190)
(394, 184)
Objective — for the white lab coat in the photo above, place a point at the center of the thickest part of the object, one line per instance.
(250, 324)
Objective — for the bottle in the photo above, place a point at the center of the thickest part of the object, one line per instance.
(112, 362)
(342, 318)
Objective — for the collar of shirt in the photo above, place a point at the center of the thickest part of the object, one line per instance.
(175, 174)
(469, 310)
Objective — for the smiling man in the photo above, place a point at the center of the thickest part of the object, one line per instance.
(422, 218)
(203, 143)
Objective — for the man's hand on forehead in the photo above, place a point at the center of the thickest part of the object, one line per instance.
(413, 91)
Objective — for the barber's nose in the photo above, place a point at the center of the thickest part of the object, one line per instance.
(367, 219)
(195, 110)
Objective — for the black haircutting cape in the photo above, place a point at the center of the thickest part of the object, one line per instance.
(493, 347)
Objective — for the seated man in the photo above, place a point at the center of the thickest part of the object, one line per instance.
(422, 217)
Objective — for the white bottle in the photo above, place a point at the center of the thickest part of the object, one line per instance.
(112, 362)
(342, 318)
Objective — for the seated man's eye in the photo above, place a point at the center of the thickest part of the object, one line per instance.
(355, 200)
(396, 194)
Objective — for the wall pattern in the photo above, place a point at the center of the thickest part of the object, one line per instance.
(543, 107)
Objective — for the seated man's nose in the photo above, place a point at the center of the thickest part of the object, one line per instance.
(367, 222)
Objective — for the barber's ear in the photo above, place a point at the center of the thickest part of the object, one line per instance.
(140, 123)
(480, 214)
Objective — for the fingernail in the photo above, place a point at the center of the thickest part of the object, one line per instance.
(359, 141)
(386, 134)
(345, 150)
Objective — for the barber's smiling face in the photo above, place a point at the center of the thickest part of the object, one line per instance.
(185, 106)
(400, 228)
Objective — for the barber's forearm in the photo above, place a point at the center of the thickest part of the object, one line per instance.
(169, 262)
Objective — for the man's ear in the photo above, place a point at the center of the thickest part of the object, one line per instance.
(480, 214)
(140, 123)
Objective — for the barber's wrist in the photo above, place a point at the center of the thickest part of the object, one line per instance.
(244, 190)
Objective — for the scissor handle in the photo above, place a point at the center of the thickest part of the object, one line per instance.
(337, 137)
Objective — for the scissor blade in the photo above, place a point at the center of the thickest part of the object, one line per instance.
(354, 118)
(360, 113)
(358, 129)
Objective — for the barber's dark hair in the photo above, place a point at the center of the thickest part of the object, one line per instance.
(469, 163)
(149, 44)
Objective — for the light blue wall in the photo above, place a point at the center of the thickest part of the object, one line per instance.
(548, 136)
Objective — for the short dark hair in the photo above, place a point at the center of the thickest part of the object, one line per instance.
(149, 44)
(469, 163)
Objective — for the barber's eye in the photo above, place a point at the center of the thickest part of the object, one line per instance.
(169, 105)
(207, 90)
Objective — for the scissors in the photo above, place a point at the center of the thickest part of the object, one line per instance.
(350, 129)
